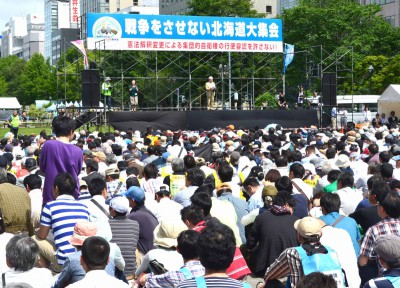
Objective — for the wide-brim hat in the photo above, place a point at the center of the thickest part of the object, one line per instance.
(351, 140)
(342, 161)
(166, 233)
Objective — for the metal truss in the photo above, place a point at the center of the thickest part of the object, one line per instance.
(176, 80)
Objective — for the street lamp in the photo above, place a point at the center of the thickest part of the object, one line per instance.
(370, 71)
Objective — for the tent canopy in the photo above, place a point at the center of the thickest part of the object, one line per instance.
(9, 103)
(390, 100)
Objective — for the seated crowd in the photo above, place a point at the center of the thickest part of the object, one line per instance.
(296, 208)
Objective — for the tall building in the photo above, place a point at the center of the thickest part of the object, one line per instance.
(390, 10)
(12, 41)
(59, 14)
(34, 40)
(286, 4)
(268, 7)
(23, 36)
(149, 7)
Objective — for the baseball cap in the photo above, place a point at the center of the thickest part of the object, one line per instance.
(135, 193)
(388, 248)
(82, 231)
(120, 204)
(230, 127)
(308, 227)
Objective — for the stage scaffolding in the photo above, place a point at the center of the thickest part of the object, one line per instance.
(169, 80)
(165, 78)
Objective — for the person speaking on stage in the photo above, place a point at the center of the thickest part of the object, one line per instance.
(106, 92)
(210, 92)
(282, 101)
(133, 93)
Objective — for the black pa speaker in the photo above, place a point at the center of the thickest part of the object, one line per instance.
(329, 89)
(90, 88)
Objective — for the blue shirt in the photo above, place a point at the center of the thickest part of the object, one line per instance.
(72, 270)
(61, 215)
(241, 209)
(348, 224)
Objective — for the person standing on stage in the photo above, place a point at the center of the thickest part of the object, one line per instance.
(210, 92)
(13, 122)
(300, 98)
(106, 89)
(133, 93)
(334, 117)
(282, 101)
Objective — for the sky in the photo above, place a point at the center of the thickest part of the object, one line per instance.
(10, 8)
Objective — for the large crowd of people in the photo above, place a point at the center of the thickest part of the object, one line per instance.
(294, 207)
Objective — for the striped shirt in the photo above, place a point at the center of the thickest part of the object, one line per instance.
(85, 195)
(61, 215)
(125, 234)
(213, 282)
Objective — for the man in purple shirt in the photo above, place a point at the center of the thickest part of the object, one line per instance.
(58, 156)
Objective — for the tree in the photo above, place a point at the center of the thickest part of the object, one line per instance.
(37, 80)
(11, 68)
(336, 24)
(3, 86)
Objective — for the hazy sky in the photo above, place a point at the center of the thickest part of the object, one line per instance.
(10, 8)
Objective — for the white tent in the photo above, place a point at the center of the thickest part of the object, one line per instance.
(52, 108)
(390, 100)
(9, 103)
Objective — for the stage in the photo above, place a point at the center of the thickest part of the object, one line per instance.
(195, 120)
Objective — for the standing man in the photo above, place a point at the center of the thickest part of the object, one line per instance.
(58, 156)
(106, 92)
(282, 101)
(300, 98)
(334, 117)
(210, 92)
(13, 122)
(133, 93)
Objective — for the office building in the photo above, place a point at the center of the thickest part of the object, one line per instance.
(23, 36)
(59, 14)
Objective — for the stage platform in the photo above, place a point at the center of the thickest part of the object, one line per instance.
(195, 120)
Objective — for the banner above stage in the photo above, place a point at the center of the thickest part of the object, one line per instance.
(177, 33)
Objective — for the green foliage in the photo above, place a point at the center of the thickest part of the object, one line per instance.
(3, 86)
(11, 68)
(266, 100)
(336, 24)
(37, 80)
(37, 113)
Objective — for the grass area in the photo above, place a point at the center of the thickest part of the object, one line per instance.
(37, 130)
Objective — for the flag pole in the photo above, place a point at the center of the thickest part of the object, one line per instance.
(283, 76)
